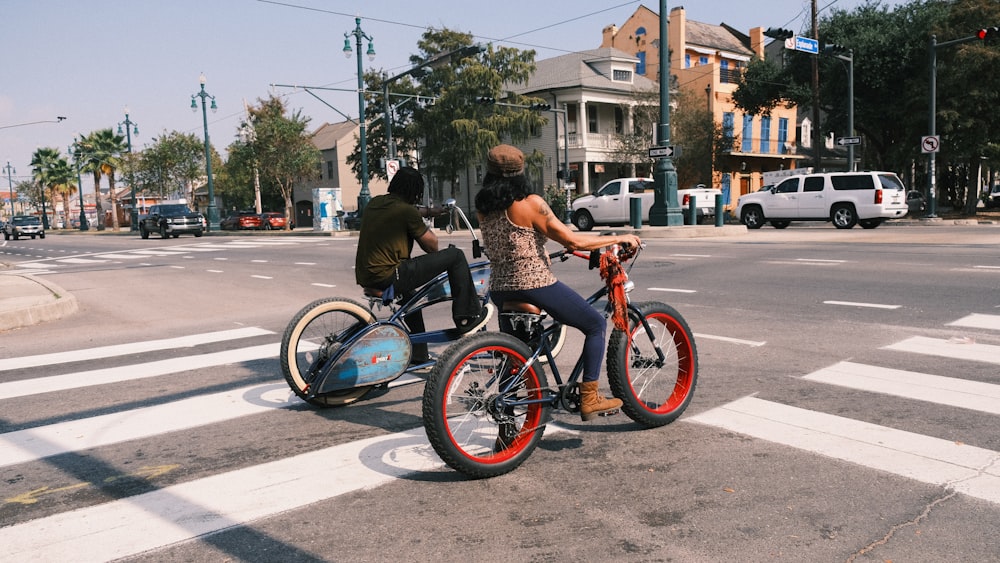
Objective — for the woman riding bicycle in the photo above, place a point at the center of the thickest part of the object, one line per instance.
(515, 225)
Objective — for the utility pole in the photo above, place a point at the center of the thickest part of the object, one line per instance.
(817, 130)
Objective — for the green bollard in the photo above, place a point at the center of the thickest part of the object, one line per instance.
(635, 212)
(719, 218)
(693, 210)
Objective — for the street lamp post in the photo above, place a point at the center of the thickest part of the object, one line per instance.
(666, 210)
(130, 127)
(359, 35)
(74, 150)
(10, 186)
(213, 212)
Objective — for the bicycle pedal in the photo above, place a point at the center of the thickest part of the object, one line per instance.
(610, 413)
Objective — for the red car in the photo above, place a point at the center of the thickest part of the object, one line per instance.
(241, 220)
(273, 220)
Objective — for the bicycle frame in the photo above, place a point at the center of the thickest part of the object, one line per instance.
(389, 339)
(544, 348)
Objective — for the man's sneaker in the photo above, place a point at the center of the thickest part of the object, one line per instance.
(474, 325)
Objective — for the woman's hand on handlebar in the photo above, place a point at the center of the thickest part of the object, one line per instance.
(629, 239)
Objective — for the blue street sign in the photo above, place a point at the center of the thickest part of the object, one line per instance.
(806, 45)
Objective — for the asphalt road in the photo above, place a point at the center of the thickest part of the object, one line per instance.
(845, 411)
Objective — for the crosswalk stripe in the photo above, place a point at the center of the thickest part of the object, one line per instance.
(130, 348)
(188, 510)
(133, 372)
(962, 393)
(960, 349)
(967, 469)
(40, 442)
(978, 320)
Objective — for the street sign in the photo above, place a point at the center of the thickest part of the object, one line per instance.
(661, 152)
(842, 141)
(930, 143)
(804, 44)
(391, 167)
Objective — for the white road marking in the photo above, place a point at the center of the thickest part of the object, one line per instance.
(961, 393)
(819, 261)
(31, 444)
(957, 348)
(671, 290)
(182, 512)
(23, 388)
(967, 469)
(754, 343)
(868, 305)
(260, 277)
(83, 261)
(130, 348)
(324, 284)
(977, 320)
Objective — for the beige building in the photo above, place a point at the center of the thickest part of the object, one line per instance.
(708, 60)
(335, 142)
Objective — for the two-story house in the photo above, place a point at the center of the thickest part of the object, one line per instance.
(335, 142)
(708, 60)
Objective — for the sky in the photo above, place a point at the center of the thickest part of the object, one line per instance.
(87, 60)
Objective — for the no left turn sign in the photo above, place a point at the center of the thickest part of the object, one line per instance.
(930, 143)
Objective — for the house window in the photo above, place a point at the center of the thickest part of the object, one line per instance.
(640, 67)
(592, 119)
(329, 170)
(765, 134)
(724, 72)
(687, 60)
(571, 112)
(728, 134)
(747, 133)
(619, 120)
(703, 60)
(782, 135)
(621, 75)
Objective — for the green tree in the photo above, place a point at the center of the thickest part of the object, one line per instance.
(454, 132)
(63, 178)
(44, 161)
(281, 146)
(171, 165)
(100, 152)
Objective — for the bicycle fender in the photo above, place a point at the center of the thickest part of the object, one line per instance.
(379, 353)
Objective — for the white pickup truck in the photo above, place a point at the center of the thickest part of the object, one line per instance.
(610, 204)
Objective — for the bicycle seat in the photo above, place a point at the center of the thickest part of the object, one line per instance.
(386, 295)
(520, 307)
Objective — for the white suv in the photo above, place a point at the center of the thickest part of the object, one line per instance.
(844, 198)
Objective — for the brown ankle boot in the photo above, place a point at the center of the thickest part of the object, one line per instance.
(592, 404)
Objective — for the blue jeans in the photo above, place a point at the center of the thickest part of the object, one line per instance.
(569, 308)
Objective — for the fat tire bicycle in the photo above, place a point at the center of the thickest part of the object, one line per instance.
(335, 350)
(487, 400)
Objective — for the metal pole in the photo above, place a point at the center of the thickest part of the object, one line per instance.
(213, 212)
(665, 210)
(79, 182)
(931, 173)
(850, 109)
(365, 196)
(10, 187)
(134, 214)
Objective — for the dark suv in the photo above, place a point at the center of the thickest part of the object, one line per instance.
(23, 225)
(171, 220)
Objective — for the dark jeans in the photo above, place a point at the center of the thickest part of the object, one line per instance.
(569, 308)
(415, 272)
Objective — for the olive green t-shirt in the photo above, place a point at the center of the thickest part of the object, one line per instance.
(389, 226)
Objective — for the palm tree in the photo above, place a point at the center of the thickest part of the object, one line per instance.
(42, 162)
(63, 178)
(101, 152)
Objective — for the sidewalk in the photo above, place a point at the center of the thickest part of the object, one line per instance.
(27, 300)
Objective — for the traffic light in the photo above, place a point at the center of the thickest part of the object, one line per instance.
(835, 49)
(540, 107)
(779, 33)
(485, 100)
(989, 35)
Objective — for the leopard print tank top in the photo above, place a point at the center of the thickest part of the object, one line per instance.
(517, 255)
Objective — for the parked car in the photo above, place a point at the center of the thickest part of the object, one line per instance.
(351, 221)
(611, 204)
(273, 220)
(915, 202)
(171, 220)
(843, 198)
(23, 226)
(239, 220)
(993, 199)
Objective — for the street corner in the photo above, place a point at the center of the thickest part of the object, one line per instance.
(28, 300)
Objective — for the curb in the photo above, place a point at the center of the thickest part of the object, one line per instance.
(55, 303)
